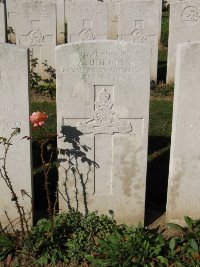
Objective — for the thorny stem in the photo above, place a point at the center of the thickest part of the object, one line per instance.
(10, 221)
(4, 175)
(46, 184)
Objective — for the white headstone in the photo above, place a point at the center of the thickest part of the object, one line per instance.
(36, 29)
(102, 122)
(86, 21)
(139, 22)
(12, 6)
(184, 183)
(2, 22)
(14, 112)
(113, 14)
(184, 26)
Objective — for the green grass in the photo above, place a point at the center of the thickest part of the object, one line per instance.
(159, 123)
(160, 118)
(162, 56)
(165, 28)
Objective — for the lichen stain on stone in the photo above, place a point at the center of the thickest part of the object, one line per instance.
(139, 184)
(130, 168)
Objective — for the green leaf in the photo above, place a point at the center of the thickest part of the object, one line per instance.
(163, 260)
(178, 264)
(5, 241)
(194, 245)
(188, 221)
(176, 227)
(172, 243)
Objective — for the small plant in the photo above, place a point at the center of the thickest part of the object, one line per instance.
(165, 5)
(49, 84)
(35, 78)
(128, 246)
(38, 120)
(39, 84)
(163, 90)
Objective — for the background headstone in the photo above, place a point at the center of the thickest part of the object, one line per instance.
(184, 25)
(86, 21)
(2, 22)
(184, 183)
(113, 14)
(36, 29)
(14, 112)
(139, 22)
(12, 6)
(114, 8)
(102, 122)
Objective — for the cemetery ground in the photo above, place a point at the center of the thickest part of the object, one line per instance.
(72, 239)
(96, 240)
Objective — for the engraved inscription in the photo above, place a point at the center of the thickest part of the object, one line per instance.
(105, 120)
(106, 65)
(190, 15)
(42, 12)
(35, 36)
(138, 34)
(4, 108)
(4, 125)
(87, 33)
(192, 127)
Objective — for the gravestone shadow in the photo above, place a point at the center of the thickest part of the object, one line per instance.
(157, 178)
(73, 156)
(162, 71)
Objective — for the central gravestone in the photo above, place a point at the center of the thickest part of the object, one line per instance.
(14, 112)
(102, 116)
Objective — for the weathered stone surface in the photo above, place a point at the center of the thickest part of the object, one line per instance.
(86, 21)
(114, 13)
(113, 7)
(139, 22)
(2, 22)
(184, 182)
(14, 112)
(102, 122)
(12, 6)
(184, 26)
(36, 29)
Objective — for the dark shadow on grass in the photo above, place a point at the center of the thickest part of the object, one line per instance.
(156, 143)
(157, 178)
(40, 204)
(162, 71)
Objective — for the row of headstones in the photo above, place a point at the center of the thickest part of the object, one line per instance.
(102, 122)
(34, 24)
